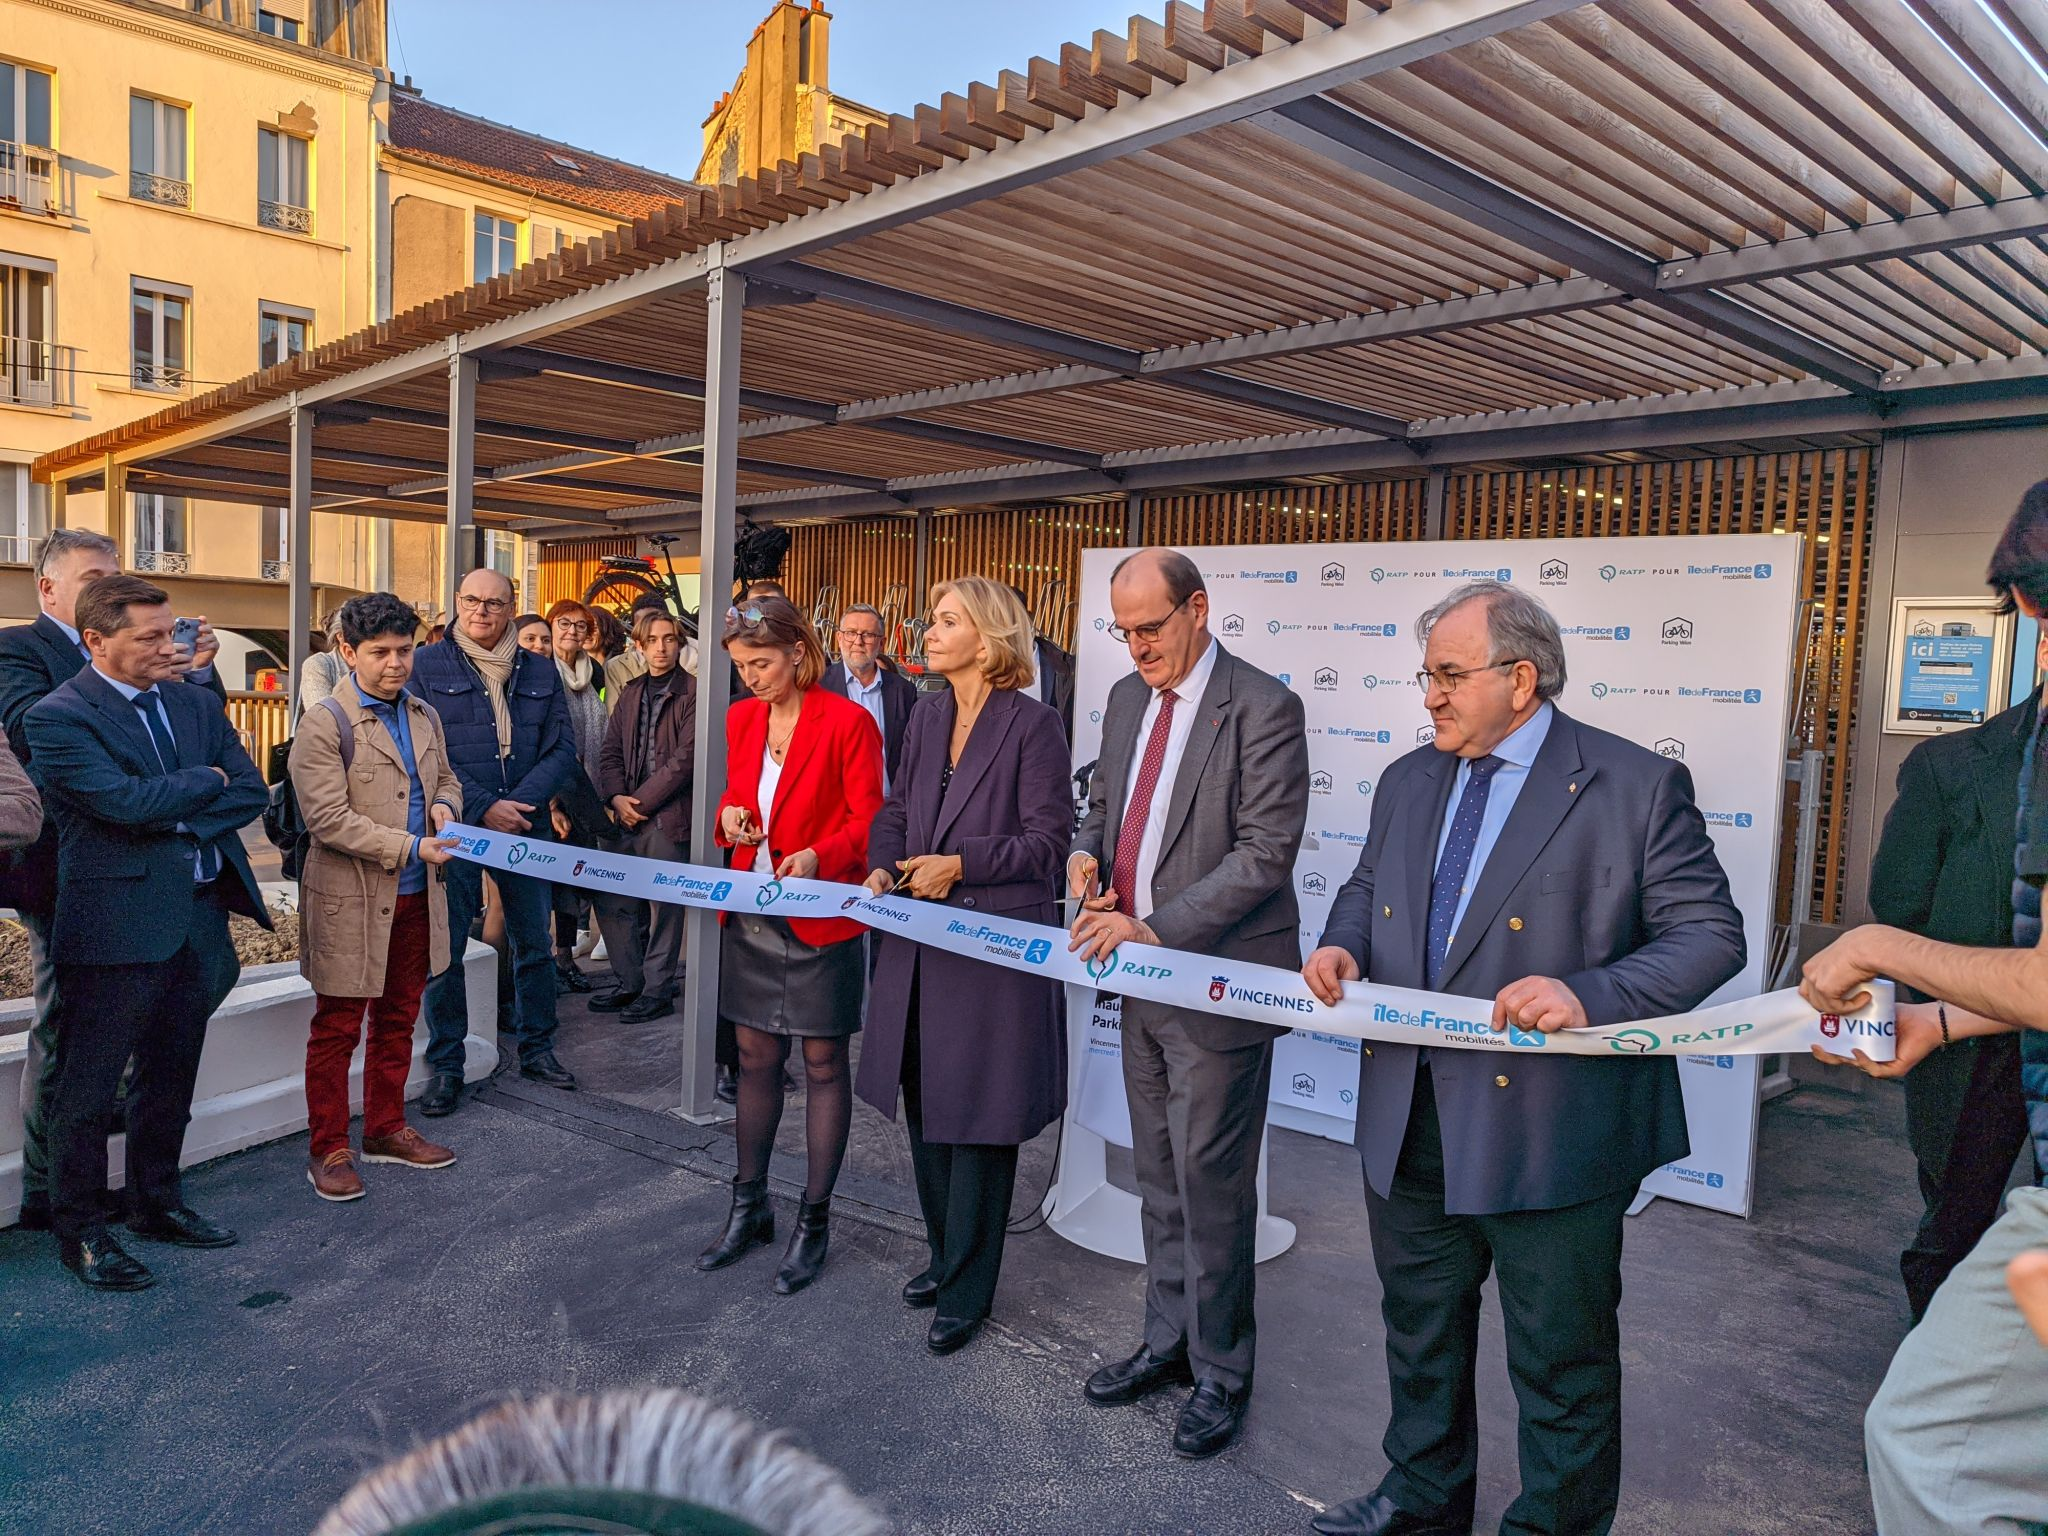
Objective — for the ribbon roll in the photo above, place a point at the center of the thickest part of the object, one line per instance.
(1775, 1022)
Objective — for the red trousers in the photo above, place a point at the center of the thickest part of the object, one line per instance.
(338, 1025)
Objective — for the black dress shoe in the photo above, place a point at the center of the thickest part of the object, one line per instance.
(442, 1095)
(569, 979)
(102, 1263)
(181, 1225)
(646, 1009)
(1140, 1376)
(1210, 1420)
(727, 1088)
(950, 1333)
(921, 1291)
(545, 1069)
(615, 1001)
(1378, 1515)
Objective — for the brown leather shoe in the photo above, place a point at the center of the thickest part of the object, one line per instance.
(408, 1147)
(334, 1176)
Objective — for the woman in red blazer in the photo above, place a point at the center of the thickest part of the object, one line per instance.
(803, 781)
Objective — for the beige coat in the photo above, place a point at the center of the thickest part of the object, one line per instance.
(359, 841)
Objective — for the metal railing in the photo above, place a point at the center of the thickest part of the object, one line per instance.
(148, 187)
(160, 376)
(163, 562)
(37, 372)
(286, 216)
(28, 178)
(17, 550)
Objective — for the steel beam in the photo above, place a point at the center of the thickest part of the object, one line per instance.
(1368, 45)
(2014, 218)
(460, 544)
(298, 553)
(718, 520)
(1126, 362)
(1364, 147)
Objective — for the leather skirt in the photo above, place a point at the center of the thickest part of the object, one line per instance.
(769, 979)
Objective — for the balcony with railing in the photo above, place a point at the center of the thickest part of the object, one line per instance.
(165, 378)
(38, 373)
(31, 179)
(288, 217)
(163, 562)
(17, 550)
(148, 187)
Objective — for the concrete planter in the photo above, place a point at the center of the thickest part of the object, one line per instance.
(252, 1077)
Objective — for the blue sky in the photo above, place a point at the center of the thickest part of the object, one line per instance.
(635, 78)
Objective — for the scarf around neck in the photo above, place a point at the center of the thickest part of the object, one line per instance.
(579, 677)
(495, 666)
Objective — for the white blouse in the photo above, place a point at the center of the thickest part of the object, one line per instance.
(771, 776)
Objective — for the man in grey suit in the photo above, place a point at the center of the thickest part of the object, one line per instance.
(1566, 874)
(1197, 806)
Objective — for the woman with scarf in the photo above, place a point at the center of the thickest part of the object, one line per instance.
(571, 628)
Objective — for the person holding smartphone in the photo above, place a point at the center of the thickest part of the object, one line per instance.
(803, 783)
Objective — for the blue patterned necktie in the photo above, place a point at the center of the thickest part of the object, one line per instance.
(1456, 864)
(149, 704)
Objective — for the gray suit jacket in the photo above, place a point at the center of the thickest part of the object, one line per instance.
(1234, 817)
(1604, 877)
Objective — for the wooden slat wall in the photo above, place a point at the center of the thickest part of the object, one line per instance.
(1026, 547)
(1825, 495)
(1376, 513)
(263, 721)
(863, 558)
(568, 568)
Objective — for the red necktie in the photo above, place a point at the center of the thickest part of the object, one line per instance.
(1131, 834)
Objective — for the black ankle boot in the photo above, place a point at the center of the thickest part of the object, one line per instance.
(805, 1255)
(750, 1224)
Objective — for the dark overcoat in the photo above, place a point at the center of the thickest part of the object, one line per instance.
(992, 1041)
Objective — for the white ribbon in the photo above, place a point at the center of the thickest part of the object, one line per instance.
(1774, 1022)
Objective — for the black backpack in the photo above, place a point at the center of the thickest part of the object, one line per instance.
(282, 823)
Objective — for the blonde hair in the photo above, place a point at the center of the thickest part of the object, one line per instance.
(1005, 627)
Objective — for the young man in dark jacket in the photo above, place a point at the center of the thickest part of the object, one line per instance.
(513, 748)
(644, 773)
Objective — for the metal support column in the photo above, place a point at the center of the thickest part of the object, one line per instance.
(298, 549)
(921, 565)
(120, 526)
(460, 546)
(59, 514)
(1436, 516)
(1134, 519)
(725, 303)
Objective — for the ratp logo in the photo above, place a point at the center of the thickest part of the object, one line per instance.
(1101, 624)
(1598, 690)
(1272, 626)
(1670, 747)
(1102, 967)
(1677, 631)
(1554, 573)
(1379, 574)
(768, 894)
(1313, 884)
(1095, 716)
(1608, 573)
(516, 854)
(1633, 1042)
(1364, 786)
(1233, 624)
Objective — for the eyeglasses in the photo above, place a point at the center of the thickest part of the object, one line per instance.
(871, 636)
(740, 618)
(469, 604)
(1147, 632)
(572, 626)
(1448, 678)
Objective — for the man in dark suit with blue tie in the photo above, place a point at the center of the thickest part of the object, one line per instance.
(1566, 874)
(149, 786)
(34, 659)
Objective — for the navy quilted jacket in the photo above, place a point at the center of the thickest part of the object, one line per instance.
(2030, 871)
(543, 740)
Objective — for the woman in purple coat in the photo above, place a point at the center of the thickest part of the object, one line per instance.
(979, 818)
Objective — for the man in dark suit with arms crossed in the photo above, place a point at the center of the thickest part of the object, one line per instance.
(1567, 874)
(34, 658)
(149, 787)
(1197, 808)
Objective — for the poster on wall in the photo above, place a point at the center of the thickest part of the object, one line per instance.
(1684, 645)
(1949, 663)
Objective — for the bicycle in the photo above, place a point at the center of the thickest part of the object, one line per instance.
(623, 580)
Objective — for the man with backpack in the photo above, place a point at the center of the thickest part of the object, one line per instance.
(370, 773)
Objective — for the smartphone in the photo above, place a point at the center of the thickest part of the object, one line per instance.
(185, 632)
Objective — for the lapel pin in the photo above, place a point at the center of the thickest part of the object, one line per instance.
(1386, 911)
(1572, 788)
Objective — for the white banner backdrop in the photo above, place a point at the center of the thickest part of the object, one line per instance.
(1682, 644)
